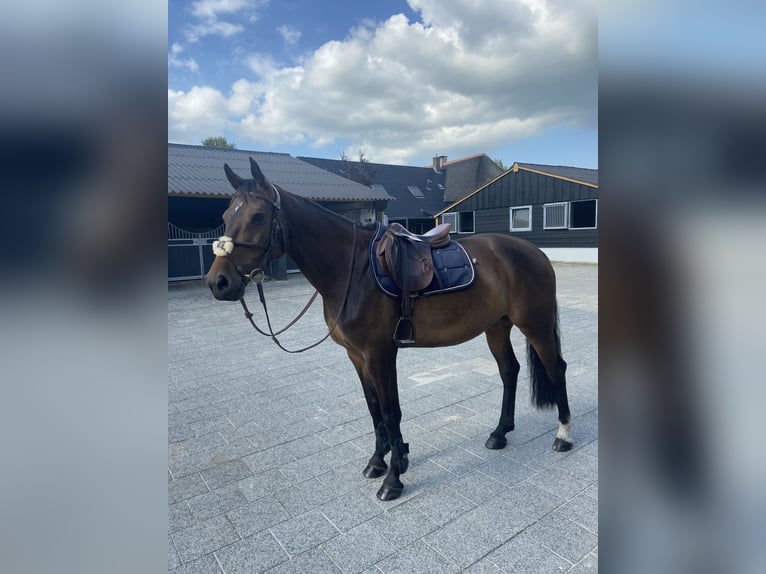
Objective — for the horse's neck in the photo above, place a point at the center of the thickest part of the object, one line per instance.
(319, 244)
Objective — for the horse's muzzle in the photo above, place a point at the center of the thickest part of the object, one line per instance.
(226, 288)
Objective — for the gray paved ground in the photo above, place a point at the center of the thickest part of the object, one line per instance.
(266, 450)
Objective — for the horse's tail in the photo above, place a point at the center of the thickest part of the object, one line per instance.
(543, 394)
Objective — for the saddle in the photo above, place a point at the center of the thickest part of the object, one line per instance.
(407, 259)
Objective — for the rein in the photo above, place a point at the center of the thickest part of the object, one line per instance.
(271, 334)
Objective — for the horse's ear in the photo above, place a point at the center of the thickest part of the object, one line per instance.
(233, 178)
(257, 174)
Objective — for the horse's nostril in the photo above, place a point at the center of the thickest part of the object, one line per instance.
(221, 283)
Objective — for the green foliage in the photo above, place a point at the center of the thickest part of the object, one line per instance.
(500, 163)
(218, 141)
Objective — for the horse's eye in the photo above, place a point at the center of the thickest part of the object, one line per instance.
(257, 218)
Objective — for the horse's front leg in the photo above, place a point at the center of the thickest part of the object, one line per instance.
(383, 372)
(377, 466)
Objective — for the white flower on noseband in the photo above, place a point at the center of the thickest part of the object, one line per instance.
(223, 246)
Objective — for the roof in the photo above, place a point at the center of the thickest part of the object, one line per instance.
(198, 171)
(396, 180)
(578, 174)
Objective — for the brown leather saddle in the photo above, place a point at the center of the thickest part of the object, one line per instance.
(407, 259)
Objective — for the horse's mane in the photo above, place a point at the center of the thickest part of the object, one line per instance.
(248, 191)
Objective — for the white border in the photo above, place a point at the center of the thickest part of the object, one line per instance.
(570, 214)
(510, 218)
(566, 215)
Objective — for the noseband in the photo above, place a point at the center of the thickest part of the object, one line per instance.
(224, 245)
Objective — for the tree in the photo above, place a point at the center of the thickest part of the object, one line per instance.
(359, 171)
(500, 163)
(218, 141)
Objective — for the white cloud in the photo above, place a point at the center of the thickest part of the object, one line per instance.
(209, 13)
(290, 34)
(175, 62)
(464, 78)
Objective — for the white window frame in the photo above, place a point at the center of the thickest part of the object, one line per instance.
(595, 216)
(451, 218)
(565, 224)
(473, 216)
(510, 218)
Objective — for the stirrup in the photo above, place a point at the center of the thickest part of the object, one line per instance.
(404, 334)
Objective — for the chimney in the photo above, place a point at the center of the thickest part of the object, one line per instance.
(439, 161)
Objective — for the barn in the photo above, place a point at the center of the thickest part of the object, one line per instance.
(554, 207)
(198, 194)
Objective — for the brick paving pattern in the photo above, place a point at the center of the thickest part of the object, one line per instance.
(266, 449)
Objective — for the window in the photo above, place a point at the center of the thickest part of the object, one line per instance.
(521, 218)
(465, 222)
(555, 215)
(582, 214)
(450, 218)
(415, 191)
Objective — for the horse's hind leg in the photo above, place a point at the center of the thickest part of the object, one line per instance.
(499, 341)
(548, 374)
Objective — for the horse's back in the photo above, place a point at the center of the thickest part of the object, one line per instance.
(507, 252)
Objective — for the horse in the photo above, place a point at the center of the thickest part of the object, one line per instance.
(514, 284)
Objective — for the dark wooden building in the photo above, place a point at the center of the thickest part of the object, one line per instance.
(554, 207)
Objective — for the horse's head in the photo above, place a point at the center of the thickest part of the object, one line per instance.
(250, 240)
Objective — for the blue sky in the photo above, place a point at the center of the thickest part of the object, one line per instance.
(401, 80)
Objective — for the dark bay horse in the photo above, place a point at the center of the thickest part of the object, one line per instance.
(515, 285)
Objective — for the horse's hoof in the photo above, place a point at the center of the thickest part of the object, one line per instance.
(390, 492)
(561, 445)
(495, 442)
(374, 471)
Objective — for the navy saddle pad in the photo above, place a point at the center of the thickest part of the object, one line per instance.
(452, 264)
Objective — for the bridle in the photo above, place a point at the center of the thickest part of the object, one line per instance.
(224, 246)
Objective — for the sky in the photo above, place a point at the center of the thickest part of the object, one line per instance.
(401, 81)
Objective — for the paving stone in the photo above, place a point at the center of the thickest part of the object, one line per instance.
(306, 496)
(268, 459)
(564, 537)
(304, 532)
(173, 560)
(460, 544)
(483, 566)
(344, 550)
(350, 509)
(442, 504)
(403, 525)
(209, 535)
(204, 442)
(205, 565)
(257, 516)
(180, 516)
(477, 487)
(186, 487)
(457, 460)
(523, 553)
(417, 557)
(252, 555)
(588, 565)
(582, 510)
(314, 561)
(225, 473)
(217, 502)
(506, 471)
(262, 484)
(558, 480)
